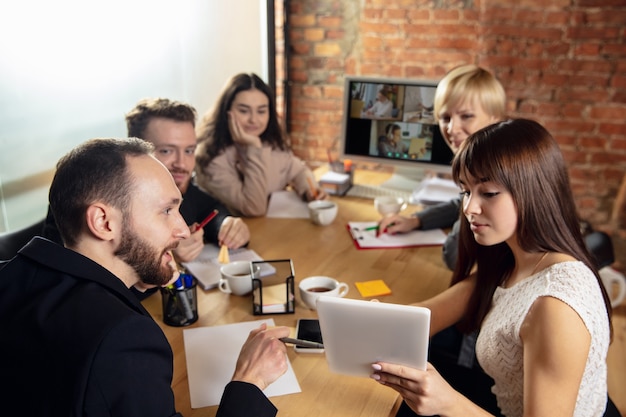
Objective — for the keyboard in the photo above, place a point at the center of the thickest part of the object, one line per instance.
(373, 191)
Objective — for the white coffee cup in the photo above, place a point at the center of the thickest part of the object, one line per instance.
(388, 205)
(236, 278)
(322, 212)
(312, 287)
(615, 284)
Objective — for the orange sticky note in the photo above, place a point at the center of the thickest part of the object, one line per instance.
(223, 257)
(373, 288)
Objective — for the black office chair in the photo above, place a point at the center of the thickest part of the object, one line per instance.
(11, 242)
(601, 248)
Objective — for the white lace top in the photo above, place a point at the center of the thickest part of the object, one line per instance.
(499, 347)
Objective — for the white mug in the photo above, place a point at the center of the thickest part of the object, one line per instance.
(322, 212)
(312, 287)
(236, 278)
(615, 284)
(388, 205)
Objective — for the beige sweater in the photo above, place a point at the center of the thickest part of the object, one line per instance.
(244, 177)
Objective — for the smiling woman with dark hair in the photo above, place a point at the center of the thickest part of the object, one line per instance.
(243, 155)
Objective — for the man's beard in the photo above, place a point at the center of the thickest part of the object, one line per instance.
(138, 253)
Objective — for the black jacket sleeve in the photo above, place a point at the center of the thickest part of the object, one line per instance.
(241, 399)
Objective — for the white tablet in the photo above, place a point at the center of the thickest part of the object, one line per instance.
(357, 333)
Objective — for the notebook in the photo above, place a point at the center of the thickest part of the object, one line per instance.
(357, 333)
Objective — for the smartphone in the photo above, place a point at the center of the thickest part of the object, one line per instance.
(308, 329)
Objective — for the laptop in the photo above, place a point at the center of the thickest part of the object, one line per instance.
(357, 333)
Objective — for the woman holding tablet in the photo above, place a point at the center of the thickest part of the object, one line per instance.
(525, 279)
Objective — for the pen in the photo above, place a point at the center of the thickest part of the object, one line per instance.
(207, 219)
(183, 299)
(313, 188)
(300, 342)
(367, 229)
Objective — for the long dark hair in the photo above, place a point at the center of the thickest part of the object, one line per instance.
(522, 156)
(213, 132)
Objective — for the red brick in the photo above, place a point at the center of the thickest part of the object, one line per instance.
(557, 18)
(330, 22)
(617, 128)
(333, 34)
(419, 14)
(378, 28)
(370, 14)
(397, 14)
(600, 3)
(604, 33)
(442, 14)
(530, 16)
(618, 144)
(496, 14)
(593, 142)
(300, 48)
(608, 112)
(302, 20)
(327, 49)
(614, 49)
(587, 49)
(605, 17)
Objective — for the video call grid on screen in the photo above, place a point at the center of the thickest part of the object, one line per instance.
(369, 124)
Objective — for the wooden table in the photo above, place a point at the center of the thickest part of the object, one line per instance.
(413, 274)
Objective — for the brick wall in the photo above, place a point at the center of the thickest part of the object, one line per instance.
(563, 65)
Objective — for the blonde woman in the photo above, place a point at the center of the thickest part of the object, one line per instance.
(467, 99)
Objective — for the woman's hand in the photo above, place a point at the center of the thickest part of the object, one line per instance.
(398, 224)
(239, 135)
(425, 392)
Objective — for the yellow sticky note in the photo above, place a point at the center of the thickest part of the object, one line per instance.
(373, 288)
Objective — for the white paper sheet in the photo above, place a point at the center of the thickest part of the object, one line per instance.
(206, 268)
(211, 354)
(368, 239)
(287, 205)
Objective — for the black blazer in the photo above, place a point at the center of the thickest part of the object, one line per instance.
(76, 342)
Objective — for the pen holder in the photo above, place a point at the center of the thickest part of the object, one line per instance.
(273, 287)
(180, 306)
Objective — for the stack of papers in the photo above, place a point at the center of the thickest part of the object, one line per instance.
(206, 267)
(367, 239)
(435, 190)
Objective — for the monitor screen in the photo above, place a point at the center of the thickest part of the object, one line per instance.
(391, 121)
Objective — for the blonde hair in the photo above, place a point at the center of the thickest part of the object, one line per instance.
(470, 82)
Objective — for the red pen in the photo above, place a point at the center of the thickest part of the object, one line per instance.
(207, 219)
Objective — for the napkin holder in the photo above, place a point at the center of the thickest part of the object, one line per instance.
(273, 293)
(338, 180)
